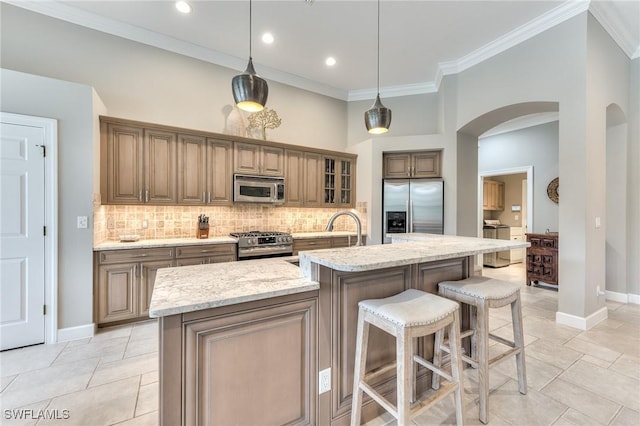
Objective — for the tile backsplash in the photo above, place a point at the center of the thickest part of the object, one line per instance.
(111, 221)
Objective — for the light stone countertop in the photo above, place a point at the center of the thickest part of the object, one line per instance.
(406, 249)
(194, 288)
(162, 242)
(325, 234)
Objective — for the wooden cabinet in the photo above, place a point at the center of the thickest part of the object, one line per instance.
(204, 170)
(253, 159)
(202, 254)
(419, 164)
(338, 182)
(124, 282)
(140, 165)
(303, 178)
(542, 258)
(492, 195)
(124, 279)
(302, 244)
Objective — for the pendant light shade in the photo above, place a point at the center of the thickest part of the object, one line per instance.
(378, 118)
(250, 91)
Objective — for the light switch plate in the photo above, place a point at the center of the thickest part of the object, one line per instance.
(82, 222)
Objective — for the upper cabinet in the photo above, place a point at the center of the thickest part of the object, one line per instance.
(204, 170)
(145, 163)
(140, 166)
(339, 182)
(253, 159)
(492, 195)
(303, 178)
(419, 164)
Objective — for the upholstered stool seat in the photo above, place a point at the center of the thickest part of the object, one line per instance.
(483, 293)
(406, 316)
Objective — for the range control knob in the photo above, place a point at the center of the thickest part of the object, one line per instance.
(250, 241)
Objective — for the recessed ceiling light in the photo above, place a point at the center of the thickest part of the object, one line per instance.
(267, 38)
(330, 61)
(183, 7)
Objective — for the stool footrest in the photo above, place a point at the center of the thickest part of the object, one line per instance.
(384, 402)
(423, 362)
(503, 356)
(463, 357)
(444, 390)
(502, 340)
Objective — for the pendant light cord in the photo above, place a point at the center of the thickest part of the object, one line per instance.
(250, 21)
(378, 47)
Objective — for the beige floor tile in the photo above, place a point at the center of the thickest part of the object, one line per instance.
(577, 418)
(30, 358)
(617, 340)
(27, 415)
(590, 404)
(38, 385)
(121, 369)
(112, 332)
(539, 373)
(597, 361)
(149, 419)
(605, 382)
(150, 377)
(145, 330)
(554, 354)
(5, 380)
(506, 332)
(531, 409)
(101, 405)
(627, 365)
(141, 347)
(563, 422)
(107, 350)
(594, 349)
(626, 417)
(147, 399)
(549, 330)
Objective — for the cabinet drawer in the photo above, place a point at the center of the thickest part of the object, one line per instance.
(311, 244)
(544, 242)
(132, 255)
(206, 250)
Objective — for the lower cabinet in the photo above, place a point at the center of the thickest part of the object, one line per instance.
(302, 244)
(124, 279)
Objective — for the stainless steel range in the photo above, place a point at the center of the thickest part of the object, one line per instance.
(257, 244)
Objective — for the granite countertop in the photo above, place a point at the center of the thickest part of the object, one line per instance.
(198, 287)
(324, 234)
(406, 249)
(162, 242)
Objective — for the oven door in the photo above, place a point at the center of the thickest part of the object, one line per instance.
(247, 253)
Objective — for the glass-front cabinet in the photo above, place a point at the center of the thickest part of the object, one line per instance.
(338, 182)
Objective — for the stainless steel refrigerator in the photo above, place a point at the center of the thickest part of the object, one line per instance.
(412, 205)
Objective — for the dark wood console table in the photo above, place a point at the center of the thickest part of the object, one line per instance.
(542, 258)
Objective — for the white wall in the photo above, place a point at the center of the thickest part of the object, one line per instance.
(633, 183)
(72, 105)
(535, 146)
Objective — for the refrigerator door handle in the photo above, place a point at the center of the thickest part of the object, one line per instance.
(408, 224)
(410, 215)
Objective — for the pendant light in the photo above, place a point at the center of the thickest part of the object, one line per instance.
(378, 118)
(250, 91)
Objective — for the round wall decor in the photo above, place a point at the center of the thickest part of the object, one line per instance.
(552, 190)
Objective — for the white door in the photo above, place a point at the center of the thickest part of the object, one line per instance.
(22, 240)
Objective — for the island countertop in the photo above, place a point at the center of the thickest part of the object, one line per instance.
(406, 249)
(193, 288)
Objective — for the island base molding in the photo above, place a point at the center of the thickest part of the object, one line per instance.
(258, 362)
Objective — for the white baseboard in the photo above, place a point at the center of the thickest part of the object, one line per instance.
(622, 297)
(580, 322)
(75, 333)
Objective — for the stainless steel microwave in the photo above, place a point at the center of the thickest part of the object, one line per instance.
(258, 189)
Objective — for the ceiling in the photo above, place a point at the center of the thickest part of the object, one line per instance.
(420, 41)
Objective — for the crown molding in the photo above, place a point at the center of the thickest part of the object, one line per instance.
(609, 17)
(606, 15)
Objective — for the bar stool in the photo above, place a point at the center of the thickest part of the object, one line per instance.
(406, 316)
(483, 293)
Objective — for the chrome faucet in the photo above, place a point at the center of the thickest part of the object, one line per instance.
(329, 227)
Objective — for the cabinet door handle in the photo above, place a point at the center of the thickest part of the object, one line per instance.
(140, 255)
(204, 198)
(140, 195)
(209, 197)
(146, 196)
(135, 270)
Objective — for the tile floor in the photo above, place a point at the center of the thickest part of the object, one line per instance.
(575, 377)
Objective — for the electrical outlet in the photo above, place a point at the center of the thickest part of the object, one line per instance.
(111, 223)
(145, 224)
(82, 222)
(324, 380)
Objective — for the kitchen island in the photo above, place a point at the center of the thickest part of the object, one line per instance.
(247, 342)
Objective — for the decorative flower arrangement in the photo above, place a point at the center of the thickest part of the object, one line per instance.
(265, 119)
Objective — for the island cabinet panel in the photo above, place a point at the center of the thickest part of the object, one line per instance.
(234, 362)
(348, 290)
